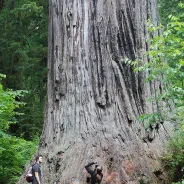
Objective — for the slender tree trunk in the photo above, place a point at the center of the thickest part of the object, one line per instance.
(94, 97)
(1, 4)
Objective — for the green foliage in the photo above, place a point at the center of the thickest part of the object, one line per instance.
(166, 61)
(173, 160)
(14, 152)
(166, 67)
(182, 182)
(23, 59)
(8, 105)
(167, 8)
(151, 119)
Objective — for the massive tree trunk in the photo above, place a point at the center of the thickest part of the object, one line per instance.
(94, 97)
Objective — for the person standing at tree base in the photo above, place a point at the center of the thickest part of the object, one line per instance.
(36, 171)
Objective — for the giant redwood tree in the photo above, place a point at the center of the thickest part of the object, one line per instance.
(94, 97)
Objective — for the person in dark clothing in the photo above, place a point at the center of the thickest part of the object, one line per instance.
(96, 174)
(37, 176)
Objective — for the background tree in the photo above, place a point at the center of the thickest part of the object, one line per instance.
(1, 4)
(23, 57)
(94, 97)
